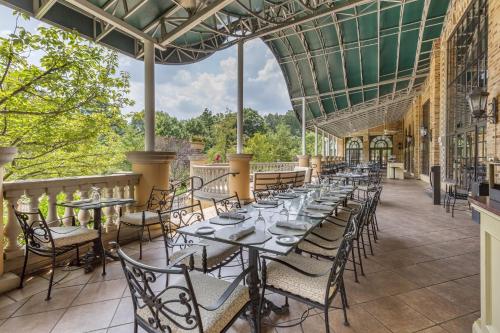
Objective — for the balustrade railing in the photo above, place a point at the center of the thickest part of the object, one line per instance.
(28, 194)
(272, 166)
(218, 188)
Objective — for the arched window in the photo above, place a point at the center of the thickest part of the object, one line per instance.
(380, 149)
(353, 150)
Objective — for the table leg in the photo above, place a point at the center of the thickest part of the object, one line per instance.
(253, 287)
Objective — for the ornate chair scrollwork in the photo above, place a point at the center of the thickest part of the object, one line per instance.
(208, 256)
(145, 216)
(227, 204)
(195, 302)
(52, 242)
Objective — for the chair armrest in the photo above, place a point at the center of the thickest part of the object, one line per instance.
(298, 270)
(180, 259)
(229, 290)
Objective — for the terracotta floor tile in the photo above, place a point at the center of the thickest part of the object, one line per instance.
(462, 324)
(396, 315)
(35, 323)
(421, 275)
(359, 319)
(435, 329)
(468, 298)
(87, 317)
(60, 298)
(431, 305)
(124, 313)
(101, 291)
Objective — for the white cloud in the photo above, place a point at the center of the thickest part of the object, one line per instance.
(271, 71)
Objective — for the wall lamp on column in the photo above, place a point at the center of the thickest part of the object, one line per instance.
(478, 104)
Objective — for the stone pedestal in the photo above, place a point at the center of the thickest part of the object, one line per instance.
(8, 281)
(316, 164)
(240, 163)
(196, 159)
(303, 160)
(154, 167)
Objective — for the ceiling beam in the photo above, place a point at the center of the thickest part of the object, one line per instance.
(425, 12)
(193, 21)
(40, 11)
(90, 9)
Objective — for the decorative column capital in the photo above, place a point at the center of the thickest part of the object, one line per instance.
(236, 157)
(150, 157)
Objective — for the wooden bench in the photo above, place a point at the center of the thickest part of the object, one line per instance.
(264, 180)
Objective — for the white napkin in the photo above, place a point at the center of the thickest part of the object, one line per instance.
(232, 215)
(291, 225)
(319, 207)
(242, 232)
(286, 196)
(267, 202)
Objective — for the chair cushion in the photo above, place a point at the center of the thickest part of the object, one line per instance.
(284, 278)
(216, 253)
(313, 248)
(136, 218)
(330, 231)
(207, 290)
(64, 236)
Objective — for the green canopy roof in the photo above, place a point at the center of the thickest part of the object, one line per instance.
(357, 62)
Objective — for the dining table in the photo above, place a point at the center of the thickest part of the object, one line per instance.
(267, 237)
(92, 258)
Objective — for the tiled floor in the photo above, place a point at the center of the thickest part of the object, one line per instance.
(423, 278)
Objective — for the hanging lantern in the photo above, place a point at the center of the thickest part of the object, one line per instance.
(478, 102)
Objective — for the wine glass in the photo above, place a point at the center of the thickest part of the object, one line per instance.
(260, 222)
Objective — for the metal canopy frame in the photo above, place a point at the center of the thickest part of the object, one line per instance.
(356, 62)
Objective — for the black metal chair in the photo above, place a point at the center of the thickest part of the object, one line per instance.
(456, 192)
(51, 242)
(146, 216)
(208, 256)
(227, 204)
(307, 280)
(195, 302)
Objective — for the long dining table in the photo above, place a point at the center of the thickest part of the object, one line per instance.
(268, 242)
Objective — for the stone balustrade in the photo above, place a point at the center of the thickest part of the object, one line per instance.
(216, 185)
(27, 194)
(272, 166)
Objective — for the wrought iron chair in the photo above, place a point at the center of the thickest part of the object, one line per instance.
(195, 302)
(146, 215)
(227, 204)
(51, 242)
(458, 192)
(307, 280)
(207, 256)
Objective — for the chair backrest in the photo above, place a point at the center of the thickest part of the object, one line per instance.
(158, 306)
(177, 218)
(161, 200)
(261, 180)
(341, 259)
(227, 204)
(36, 231)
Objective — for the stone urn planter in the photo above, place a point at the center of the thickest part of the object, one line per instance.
(197, 145)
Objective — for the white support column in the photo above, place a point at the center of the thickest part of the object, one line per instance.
(323, 152)
(149, 96)
(315, 140)
(328, 152)
(303, 125)
(239, 114)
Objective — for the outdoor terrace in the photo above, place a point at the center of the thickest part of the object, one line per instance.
(424, 277)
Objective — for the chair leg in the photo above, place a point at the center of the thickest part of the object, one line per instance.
(369, 239)
(354, 266)
(327, 321)
(149, 233)
(363, 242)
(376, 221)
(78, 256)
(453, 207)
(51, 277)
(141, 236)
(118, 233)
(360, 259)
(135, 325)
(103, 257)
(344, 306)
(24, 269)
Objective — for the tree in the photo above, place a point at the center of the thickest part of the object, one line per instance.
(252, 122)
(63, 111)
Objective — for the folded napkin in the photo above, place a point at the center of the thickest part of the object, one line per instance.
(242, 232)
(319, 207)
(232, 215)
(267, 202)
(291, 225)
(286, 196)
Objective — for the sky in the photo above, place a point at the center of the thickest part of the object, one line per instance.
(185, 91)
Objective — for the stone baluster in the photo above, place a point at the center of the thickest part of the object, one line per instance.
(67, 218)
(109, 212)
(119, 193)
(12, 229)
(131, 195)
(84, 214)
(52, 218)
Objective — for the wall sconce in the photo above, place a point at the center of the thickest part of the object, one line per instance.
(409, 140)
(423, 131)
(478, 104)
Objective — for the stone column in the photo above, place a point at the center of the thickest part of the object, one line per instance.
(196, 159)
(8, 281)
(316, 164)
(240, 183)
(154, 167)
(303, 160)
